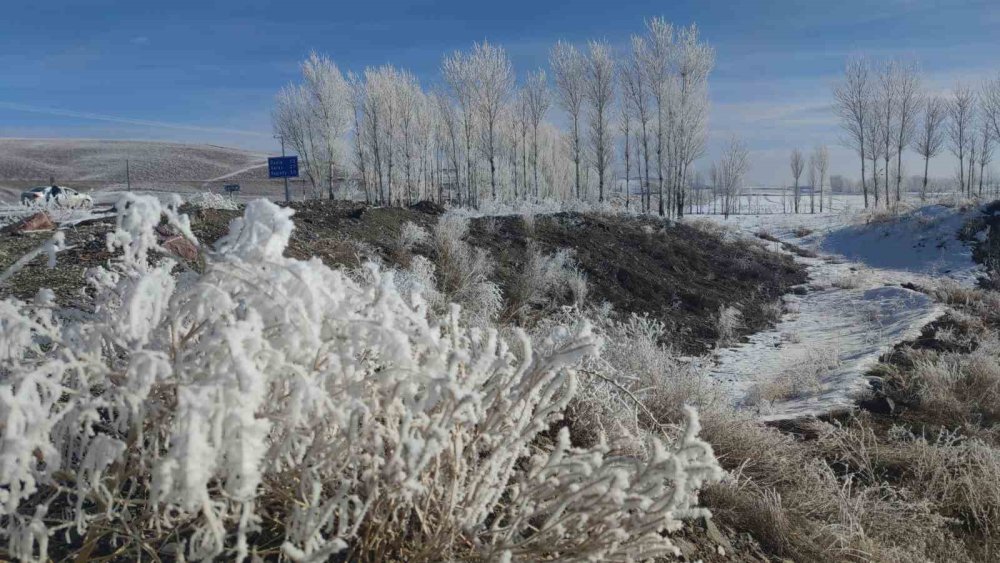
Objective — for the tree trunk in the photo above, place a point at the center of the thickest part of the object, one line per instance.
(923, 189)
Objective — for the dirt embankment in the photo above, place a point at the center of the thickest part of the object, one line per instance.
(673, 272)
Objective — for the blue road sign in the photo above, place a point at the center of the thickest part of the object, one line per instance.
(283, 167)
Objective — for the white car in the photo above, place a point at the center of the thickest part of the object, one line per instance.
(57, 196)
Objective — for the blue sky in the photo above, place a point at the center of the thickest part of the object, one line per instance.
(207, 71)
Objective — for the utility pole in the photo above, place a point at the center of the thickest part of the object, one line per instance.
(288, 195)
(128, 177)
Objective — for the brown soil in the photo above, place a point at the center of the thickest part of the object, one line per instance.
(676, 273)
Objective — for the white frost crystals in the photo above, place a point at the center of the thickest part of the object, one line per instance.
(270, 406)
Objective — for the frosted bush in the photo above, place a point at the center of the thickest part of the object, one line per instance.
(269, 407)
(546, 279)
(411, 235)
(463, 271)
(727, 324)
(209, 200)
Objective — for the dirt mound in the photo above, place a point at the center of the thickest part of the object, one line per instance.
(428, 207)
(673, 272)
(676, 273)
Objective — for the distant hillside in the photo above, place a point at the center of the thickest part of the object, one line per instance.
(85, 160)
(96, 165)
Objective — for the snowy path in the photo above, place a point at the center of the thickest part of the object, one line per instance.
(814, 360)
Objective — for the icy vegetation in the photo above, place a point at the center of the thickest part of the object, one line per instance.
(208, 200)
(261, 405)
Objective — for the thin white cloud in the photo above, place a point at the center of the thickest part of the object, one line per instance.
(127, 120)
(140, 40)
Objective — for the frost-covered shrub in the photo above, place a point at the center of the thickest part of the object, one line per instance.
(803, 378)
(411, 235)
(269, 406)
(546, 279)
(727, 324)
(463, 271)
(209, 200)
(638, 386)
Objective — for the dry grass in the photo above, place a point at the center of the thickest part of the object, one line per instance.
(803, 379)
(921, 484)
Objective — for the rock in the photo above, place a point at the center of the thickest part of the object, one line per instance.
(880, 404)
(38, 222)
(715, 534)
(181, 247)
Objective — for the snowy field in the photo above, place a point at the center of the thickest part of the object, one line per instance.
(852, 310)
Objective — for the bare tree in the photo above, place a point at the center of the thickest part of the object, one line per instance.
(569, 68)
(887, 104)
(990, 101)
(600, 93)
(798, 164)
(821, 157)
(813, 180)
(906, 83)
(931, 134)
(960, 130)
(728, 173)
(853, 98)
(984, 150)
(874, 128)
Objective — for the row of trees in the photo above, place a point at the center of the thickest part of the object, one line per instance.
(819, 166)
(884, 111)
(480, 133)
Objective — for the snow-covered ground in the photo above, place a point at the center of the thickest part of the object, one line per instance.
(854, 308)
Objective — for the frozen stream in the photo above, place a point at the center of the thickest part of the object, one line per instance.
(852, 311)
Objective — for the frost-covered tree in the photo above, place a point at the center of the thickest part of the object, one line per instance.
(569, 72)
(625, 127)
(636, 97)
(599, 92)
(537, 98)
(657, 55)
(459, 75)
(315, 117)
(492, 84)
(694, 62)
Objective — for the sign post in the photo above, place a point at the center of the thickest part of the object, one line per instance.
(284, 167)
